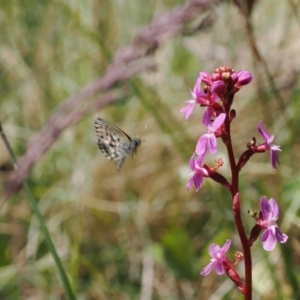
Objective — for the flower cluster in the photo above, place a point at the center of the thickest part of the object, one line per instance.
(217, 87)
(215, 93)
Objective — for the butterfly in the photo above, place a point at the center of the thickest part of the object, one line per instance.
(114, 143)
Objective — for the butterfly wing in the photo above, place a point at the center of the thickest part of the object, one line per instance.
(112, 141)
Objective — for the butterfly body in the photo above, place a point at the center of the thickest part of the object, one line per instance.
(114, 143)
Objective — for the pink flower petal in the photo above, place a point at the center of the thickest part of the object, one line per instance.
(219, 87)
(200, 159)
(197, 87)
(190, 183)
(261, 130)
(265, 208)
(205, 271)
(244, 77)
(268, 240)
(217, 122)
(280, 236)
(192, 163)
(198, 180)
(226, 246)
(274, 208)
(188, 109)
(206, 78)
(206, 117)
(212, 144)
(213, 250)
(274, 159)
(201, 144)
(219, 268)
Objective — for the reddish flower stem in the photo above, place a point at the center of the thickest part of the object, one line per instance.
(237, 213)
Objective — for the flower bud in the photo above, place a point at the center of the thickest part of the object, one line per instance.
(232, 114)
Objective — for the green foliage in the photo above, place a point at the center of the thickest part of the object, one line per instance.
(179, 254)
(102, 222)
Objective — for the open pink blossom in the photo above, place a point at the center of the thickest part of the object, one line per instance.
(268, 144)
(217, 258)
(198, 97)
(272, 233)
(198, 173)
(208, 141)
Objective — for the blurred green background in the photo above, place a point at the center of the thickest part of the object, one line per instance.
(137, 233)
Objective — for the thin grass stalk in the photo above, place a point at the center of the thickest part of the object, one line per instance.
(41, 220)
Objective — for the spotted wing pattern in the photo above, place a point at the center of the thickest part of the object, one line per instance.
(114, 143)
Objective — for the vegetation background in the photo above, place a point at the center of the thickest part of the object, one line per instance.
(137, 233)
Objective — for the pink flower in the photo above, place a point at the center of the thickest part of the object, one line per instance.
(198, 97)
(272, 233)
(217, 258)
(206, 78)
(208, 141)
(217, 86)
(268, 144)
(198, 173)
